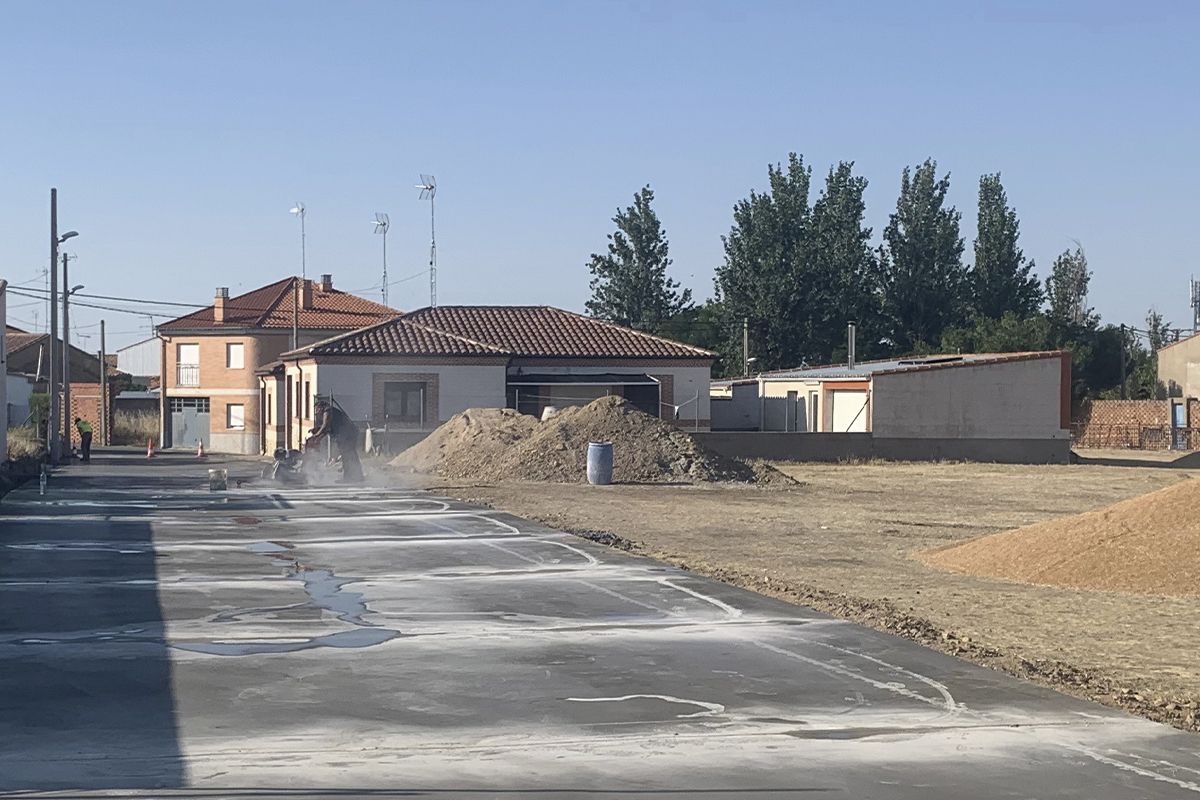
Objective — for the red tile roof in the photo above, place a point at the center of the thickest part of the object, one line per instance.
(400, 336)
(546, 332)
(271, 307)
(16, 339)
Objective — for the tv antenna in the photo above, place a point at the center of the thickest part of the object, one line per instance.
(1195, 292)
(381, 226)
(428, 187)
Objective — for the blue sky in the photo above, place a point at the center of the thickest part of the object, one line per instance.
(179, 134)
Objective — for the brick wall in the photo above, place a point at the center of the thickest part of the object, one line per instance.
(85, 404)
(1136, 424)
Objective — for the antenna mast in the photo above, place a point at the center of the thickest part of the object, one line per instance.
(428, 187)
(1195, 287)
(381, 226)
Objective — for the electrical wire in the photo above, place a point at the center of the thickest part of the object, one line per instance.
(122, 299)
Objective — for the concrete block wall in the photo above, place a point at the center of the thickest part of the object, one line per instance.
(779, 446)
(1018, 399)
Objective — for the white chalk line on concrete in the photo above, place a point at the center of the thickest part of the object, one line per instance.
(846, 672)
(1126, 767)
(707, 709)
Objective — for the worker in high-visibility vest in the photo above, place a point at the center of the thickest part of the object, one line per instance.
(85, 439)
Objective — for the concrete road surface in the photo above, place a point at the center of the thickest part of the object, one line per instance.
(162, 640)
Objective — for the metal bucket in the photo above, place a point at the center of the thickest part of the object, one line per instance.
(600, 463)
(218, 480)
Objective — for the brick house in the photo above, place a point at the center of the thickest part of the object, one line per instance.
(210, 357)
(27, 370)
(411, 373)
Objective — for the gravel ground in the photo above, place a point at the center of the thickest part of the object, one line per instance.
(844, 540)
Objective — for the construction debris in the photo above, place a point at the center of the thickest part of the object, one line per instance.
(1146, 545)
(501, 444)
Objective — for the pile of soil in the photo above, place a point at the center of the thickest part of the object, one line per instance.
(466, 442)
(1148, 545)
(500, 444)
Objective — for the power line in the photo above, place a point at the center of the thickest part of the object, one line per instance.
(122, 299)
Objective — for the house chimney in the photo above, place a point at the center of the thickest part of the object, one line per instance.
(219, 303)
(850, 337)
(326, 282)
(305, 289)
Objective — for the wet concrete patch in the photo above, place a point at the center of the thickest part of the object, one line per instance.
(347, 640)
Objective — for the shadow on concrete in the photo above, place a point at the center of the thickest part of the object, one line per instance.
(86, 700)
(1187, 461)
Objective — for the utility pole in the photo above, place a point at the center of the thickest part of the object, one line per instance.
(1123, 365)
(66, 357)
(53, 442)
(103, 390)
(745, 345)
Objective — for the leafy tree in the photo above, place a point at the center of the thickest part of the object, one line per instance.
(763, 280)
(703, 326)
(842, 264)
(923, 282)
(1001, 279)
(629, 283)
(1142, 360)
(1008, 334)
(1066, 291)
(1158, 330)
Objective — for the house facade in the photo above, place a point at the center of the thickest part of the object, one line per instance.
(410, 374)
(209, 359)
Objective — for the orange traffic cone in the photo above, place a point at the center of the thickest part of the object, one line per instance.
(200, 448)
(150, 448)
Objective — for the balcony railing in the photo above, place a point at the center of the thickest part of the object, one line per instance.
(188, 375)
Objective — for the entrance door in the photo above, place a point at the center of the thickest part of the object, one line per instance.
(849, 410)
(1178, 426)
(189, 421)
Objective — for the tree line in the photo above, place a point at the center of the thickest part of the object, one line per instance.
(796, 270)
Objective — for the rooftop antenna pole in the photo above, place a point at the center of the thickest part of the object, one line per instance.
(381, 226)
(428, 187)
(1195, 287)
(298, 210)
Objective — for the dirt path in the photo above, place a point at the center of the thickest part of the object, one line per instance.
(843, 542)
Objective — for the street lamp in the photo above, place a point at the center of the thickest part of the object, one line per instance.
(382, 224)
(55, 427)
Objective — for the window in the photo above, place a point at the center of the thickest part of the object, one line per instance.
(402, 401)
(197, 404)
(235, 355)
(270, 401)
(308, 399)
(235, 416)
(187, 364)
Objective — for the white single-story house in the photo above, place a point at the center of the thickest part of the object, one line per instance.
(1016, 396)
(413, 372)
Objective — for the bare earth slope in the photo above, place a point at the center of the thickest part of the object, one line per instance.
(1148, 544)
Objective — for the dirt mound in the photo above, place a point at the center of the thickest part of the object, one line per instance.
(500, 444)
(466, 442)
(1148, 544)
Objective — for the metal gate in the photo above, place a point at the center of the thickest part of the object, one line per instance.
(189, 421)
